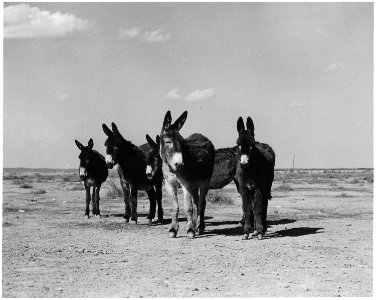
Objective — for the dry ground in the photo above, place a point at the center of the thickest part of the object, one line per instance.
(319, 242)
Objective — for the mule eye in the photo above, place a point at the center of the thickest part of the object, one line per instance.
(240, 147)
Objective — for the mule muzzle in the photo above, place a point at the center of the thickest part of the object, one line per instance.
(109, 162)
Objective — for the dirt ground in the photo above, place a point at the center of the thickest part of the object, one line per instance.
(319, 242)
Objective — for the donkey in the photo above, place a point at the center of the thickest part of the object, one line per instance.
(132, 163)
(93, 171)
(188, 163)
(255, 174)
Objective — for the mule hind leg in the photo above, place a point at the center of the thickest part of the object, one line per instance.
(201, 208)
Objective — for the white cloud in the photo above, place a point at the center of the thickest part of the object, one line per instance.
(333, 67)
(25, 22)
(156, 36)
(174, 94)
(199, 95)
(129, 33)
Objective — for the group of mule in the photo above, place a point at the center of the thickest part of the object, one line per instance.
(190, 163)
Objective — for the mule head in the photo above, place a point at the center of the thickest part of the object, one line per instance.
(245, 141)
(154, 161)
(86, 158)
(171, 142)
(112, 144)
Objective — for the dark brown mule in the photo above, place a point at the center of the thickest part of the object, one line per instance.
(255, 174)
(131, 163)
(187, 163)
(93, 171)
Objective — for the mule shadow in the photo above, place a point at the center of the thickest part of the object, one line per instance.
(295, 232)
(280, 222)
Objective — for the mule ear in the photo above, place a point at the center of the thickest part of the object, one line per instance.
(158, 140)
(115, 130)
(167, 121)
(150, 141)
(180, 121)
(90, 144)
(240, 125)
(107, 130)
(250, 126)
(79, 145)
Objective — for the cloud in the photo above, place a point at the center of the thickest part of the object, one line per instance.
(333, 67)
(129, 33)
(295, 104)
(199, 95)
(174, 94)
(156, 36)
(25, 22)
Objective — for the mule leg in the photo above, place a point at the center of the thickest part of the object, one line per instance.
(158, 192)
(97, 189)
(93, 202)
(258, 210)
(172, 190)
(196, 210)
(201, 208)
(188, 208)
(126, 193)
(152, 201)
(247, 211)
(133, 202)
(265, 214)
(88, 199)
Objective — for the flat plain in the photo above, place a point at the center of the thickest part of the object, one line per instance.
(319, 241)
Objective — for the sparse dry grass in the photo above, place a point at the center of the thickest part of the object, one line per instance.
(113, 190)
(219, 197)
(284, 187)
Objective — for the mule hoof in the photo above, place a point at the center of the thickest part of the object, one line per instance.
(260, 236)
(172, 234)
(148, 221)
(200, 231)
(133, 222)
(245, 236)
(98, 216)
(255, 233)
(191, 234)
(86, 216)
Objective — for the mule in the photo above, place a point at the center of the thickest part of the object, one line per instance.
(255, 174)
(187, 163)
(132, 163)
(93, 172)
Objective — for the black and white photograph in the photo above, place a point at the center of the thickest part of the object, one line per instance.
(187, 149)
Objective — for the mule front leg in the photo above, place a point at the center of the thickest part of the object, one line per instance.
(97, 211)
(133, 200)
(188, 208)
(126, 193)
(258, 211)
(247, 212)
(172, 190)
(158, 192)
(152, 201)
(93, 202)
(88, 199)
(201, 209)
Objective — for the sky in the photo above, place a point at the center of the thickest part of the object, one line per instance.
(302, 71)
